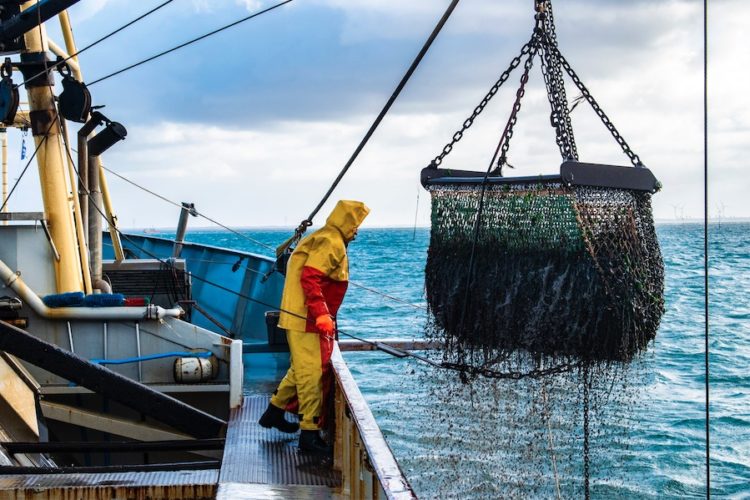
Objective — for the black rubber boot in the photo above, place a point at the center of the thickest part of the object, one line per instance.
(274, 417)
(311, 442)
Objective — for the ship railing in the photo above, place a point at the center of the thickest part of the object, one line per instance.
(367, 465)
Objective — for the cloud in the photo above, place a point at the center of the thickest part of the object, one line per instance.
(268, 113)
(90, 9)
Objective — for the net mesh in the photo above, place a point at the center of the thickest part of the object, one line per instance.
(560, 274)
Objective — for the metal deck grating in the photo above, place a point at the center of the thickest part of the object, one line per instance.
(254, 455)
(156, 484)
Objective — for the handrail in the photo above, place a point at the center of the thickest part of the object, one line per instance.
(378, 456)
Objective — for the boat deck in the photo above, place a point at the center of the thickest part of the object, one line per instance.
(160, 484)
(259, 462)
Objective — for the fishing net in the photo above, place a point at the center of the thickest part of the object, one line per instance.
(529, 438)
(568, 273)
(541, 292)
(541, 295)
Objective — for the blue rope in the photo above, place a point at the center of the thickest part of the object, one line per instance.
(150, 357)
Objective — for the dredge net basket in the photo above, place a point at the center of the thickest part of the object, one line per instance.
(556, 272)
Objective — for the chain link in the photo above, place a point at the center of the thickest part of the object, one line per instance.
(484, 371)
(508, 132)
(525, 50)
(544, 40)
(634, 158)
(553, 79)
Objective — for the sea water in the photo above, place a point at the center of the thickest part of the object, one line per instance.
(659, 451)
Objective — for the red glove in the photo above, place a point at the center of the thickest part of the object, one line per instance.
(324, 324)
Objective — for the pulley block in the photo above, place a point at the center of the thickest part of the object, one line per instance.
(74, 102)
(9, 98)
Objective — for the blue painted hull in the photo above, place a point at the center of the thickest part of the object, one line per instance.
(236, 296)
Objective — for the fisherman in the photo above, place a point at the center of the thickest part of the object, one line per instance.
(316, 280)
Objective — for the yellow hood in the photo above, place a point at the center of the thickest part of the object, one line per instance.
(346, 216)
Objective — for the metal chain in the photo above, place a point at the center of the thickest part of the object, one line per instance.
(560, 117)
(526, 49)
(508, 132)
(474, 371)
(560, 114)
(635, 160)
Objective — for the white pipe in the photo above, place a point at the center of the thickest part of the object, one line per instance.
(14, 281)
(59, 51)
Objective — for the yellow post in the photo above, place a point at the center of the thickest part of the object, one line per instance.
(111, 217)
(77, 213)
(45, 126)
(70, 46)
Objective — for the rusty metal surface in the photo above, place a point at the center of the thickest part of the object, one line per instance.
(387, 470)
(234, 491)
(153, 485)
(254, 455)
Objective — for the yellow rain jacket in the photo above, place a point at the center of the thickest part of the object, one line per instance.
(317, 276)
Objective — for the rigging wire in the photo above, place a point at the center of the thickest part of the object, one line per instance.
(307, 222)
(416, 214)
(381, 346)
(252, 240)
(705, 246)
(199, 214)
(189, 42)
(376, 344)
(23, 172)
(105, 37)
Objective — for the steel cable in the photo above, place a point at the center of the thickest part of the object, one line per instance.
(189, 42)
(179, 205)
(33, 155)
(705, 247)
(417, 60)
(105, 37)
(250, 239)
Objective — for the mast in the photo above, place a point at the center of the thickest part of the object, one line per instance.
(70, 46)
(53, 176)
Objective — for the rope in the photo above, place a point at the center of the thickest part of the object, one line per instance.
(388, 349)
(705, 246)
(393, 351)
(151, 357)
(352, 283)
(386, 296)
(252, 240)
(505, 136)
(549, 439)
(189, 42)
(416, 214)
(383, 112)
(105, 37)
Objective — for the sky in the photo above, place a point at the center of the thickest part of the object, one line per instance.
(253, 124)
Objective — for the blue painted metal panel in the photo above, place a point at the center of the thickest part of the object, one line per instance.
(217, 288)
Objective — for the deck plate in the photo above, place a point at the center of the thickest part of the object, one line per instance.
(254, 455)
